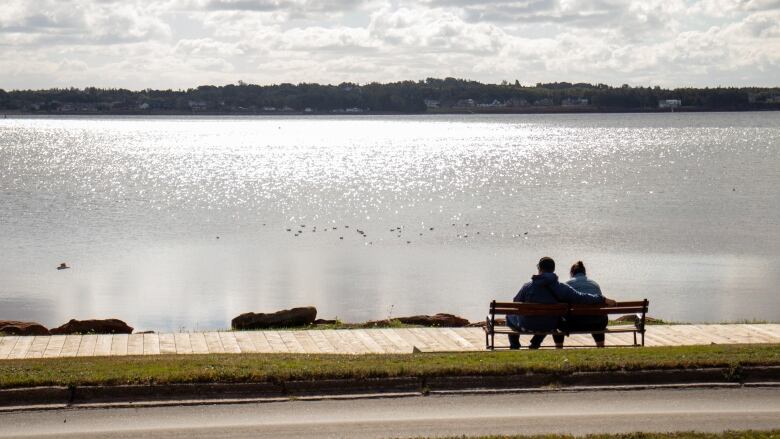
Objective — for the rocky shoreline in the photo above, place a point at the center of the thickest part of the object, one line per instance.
(297, 318)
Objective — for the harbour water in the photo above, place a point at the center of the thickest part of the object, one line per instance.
(184, 222)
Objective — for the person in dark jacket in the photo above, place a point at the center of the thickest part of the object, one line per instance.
(580, 282)
(545, 288)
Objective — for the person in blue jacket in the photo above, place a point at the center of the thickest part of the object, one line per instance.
(545, 288)
(580, 282)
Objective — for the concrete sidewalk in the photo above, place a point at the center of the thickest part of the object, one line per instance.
(350, 341)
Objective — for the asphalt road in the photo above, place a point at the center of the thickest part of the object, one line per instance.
(579, 412)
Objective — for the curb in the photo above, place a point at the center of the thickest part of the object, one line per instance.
(37, 398)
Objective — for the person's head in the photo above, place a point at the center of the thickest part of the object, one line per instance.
(546, 265)
(577, 268)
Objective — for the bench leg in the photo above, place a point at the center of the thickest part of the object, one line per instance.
(635, 338)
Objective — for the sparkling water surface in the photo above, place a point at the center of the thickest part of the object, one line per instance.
(181, 222)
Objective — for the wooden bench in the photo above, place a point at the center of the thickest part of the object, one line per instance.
(638, 308)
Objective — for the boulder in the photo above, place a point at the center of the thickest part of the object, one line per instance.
(102, 326)
(280, 319)
(443, 320)
(13, 327)
(482, 323)
(632, 318)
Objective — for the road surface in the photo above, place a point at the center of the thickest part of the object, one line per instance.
(574, 412)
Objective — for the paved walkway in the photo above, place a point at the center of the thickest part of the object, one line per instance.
(353, 341)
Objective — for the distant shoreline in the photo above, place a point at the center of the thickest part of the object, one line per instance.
(449, 111)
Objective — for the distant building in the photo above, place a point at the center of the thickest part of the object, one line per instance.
(432, 103)
(354, 110)
(269, 108)
(773, 99)
(669, 103)
(307, 110)
(197, 105)
(144, 106)
(495, 103)
(465, 103)
(517, 102)
(546, 102)
(572, 102)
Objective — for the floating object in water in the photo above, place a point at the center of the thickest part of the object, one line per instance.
(217, 237)
(289, 230)
(63, 266)
(408, 242)
(341, 237)
(431, 228)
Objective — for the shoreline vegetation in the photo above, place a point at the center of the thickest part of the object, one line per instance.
(275, 368)
(429, 96)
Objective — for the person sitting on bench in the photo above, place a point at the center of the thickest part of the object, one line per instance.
(580, 282)
(545, 288)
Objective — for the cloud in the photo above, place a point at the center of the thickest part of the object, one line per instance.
(182, 43)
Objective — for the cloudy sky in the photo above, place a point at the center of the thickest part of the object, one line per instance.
(184, 43)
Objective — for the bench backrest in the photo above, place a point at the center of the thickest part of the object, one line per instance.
(565, 309)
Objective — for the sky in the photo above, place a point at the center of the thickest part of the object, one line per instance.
(161, 44)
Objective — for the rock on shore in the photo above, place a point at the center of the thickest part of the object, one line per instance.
(281, 319)
(103, 326)
(440, 320)
(13, 327)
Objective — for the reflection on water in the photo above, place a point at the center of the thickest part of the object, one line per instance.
(182, 222)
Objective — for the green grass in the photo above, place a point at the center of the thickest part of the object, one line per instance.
(230, 368)
(743, 434)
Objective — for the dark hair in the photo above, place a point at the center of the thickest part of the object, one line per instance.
(546, 265)
(577, 268)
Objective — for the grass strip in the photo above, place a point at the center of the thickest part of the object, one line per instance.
(740, 434)
(233, 368)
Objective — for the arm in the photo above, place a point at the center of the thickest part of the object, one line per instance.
(520, 296)
(570, 295)
(608, 302)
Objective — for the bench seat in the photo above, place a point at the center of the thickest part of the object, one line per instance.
(637, 308)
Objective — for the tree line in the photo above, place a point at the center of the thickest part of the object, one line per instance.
(429, 95)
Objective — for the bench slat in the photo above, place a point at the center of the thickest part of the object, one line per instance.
(606, 310)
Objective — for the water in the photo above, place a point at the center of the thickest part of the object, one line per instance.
(180, 223)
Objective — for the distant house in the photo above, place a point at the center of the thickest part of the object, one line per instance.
(269, 108)
(307, 110)
(495, 103)
(669, 103)
(516, 102)
(432, 103)
(144, 106)
(354, 110)
(465, 103)
(571, 102)
(197, 105)
(546, 102)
